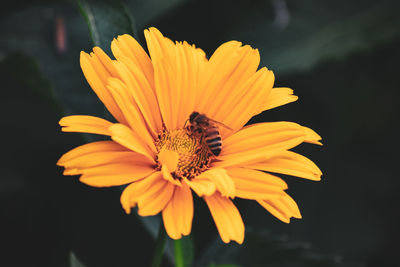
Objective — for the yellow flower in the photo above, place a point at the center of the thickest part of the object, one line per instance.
(159, 152)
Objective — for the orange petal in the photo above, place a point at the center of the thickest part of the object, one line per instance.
(164, 79)
(105, 60)
(312, 137)
(176, 72)
(282, 208)
(189, 64)
(126, 47)
(229, 66)
(278, 97)
(142, 93)
(183, 85)
(162, 52)
(104, 157)
(167, 175)
(226, 217)
(158, 45)
(292, 206)
(262, 140)
(197, 64)
(97, 76)
(131, 111)
(243, 88)
(223, 183)
(251, 184)
(134, 191)
(246, 105)
(202, 187)
(124, 136)
(290, 163)
(169, 157)
(90, 148)
(155, 198)
(178, 214)
(91, 159)
(85, 124)
(71, 172)
(114, 174)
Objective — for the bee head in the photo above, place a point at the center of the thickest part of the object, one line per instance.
(193, 116)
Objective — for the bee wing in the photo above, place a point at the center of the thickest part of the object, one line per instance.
(220, 124)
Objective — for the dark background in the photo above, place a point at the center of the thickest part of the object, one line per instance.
(340, 57)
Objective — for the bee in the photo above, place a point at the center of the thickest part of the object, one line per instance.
(208, 128)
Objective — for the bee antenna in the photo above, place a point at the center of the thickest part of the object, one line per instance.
(185, 123)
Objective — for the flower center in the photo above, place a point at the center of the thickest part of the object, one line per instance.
(185, 154)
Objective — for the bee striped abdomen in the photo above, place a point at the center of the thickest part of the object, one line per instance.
(213, 140)
(207, 128)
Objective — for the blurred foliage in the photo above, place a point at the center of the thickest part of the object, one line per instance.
(37, 39)
(301, 34)
(74, 262)
(294, 39)
(264, 249)
(26, 70)
(106, 20)
(146, 12)
(291, 35)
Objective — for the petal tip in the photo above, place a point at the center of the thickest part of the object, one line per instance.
(61, 161)
(71, 172)
(83, 54)
(62, 121)
(127, 210)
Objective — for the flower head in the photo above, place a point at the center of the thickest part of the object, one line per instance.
(180, 129)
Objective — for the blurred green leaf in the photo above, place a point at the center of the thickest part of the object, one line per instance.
(37, 39)
(106, 20)
(147, 11)
(262, 249)
(292, 36)
(26, 70)
(304, 33)
(73, 260)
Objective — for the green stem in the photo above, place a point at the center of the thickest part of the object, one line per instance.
(179, 262)
(160, 244)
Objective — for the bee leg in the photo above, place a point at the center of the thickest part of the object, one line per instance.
(201, 138)
(185, 123)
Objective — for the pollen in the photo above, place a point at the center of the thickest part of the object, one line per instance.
(185, 154)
